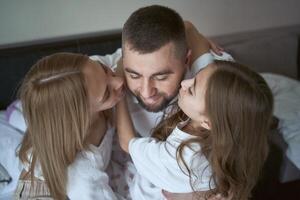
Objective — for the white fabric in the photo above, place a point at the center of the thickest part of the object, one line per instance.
(286, 93)
(110, 60)
(10, 139)
(206, 59)
(14, 116)
(87, 178)
(156, 161)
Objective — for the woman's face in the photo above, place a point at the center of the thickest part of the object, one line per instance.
(191, 98)
(104, 88)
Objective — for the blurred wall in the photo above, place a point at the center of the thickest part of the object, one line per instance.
(30, 20)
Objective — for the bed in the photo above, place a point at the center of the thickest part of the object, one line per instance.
(273, 52)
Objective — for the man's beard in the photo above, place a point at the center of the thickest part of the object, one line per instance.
(165, 102)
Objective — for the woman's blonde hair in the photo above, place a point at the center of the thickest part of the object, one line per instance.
(56, 110)
(239, 104)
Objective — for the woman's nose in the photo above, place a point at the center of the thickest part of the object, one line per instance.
(117, 82)
(185, 84)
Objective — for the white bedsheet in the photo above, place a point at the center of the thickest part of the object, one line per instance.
(286, 93)
(10, 139)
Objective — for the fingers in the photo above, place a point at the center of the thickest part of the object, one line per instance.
(215, 48)
(178, 196)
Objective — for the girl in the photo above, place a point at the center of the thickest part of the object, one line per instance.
(216, 143)
(67, 145)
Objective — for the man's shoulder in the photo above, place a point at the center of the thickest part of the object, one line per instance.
(109, 60)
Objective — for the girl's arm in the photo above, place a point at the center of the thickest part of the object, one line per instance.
(125, 128)
(198, 43)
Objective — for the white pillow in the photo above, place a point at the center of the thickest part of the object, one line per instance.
(4, 177)
(15, 117)
(10, 141)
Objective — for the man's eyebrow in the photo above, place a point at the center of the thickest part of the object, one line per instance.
(164, 72)
(131, 71)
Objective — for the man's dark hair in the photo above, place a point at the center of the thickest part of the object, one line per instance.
(150, 28)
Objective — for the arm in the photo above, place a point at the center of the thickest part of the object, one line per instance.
(193, 195)
(195, 41)
(198, 43)
(204, 51)
(125, 127)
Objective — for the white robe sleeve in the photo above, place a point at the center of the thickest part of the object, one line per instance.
(156, 161)
(89, 183)
(206, 59)
(109, 60)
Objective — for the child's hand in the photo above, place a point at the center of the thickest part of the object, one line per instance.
(191, 196)
(198, 43)
(215, 47)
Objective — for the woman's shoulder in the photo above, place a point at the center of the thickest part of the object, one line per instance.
(94, 159)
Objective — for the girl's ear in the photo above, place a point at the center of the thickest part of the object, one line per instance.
(205, 123)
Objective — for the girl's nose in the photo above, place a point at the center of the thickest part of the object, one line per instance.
(185, 84)
(117, 82)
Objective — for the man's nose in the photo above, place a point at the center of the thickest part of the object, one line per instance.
(147, 89)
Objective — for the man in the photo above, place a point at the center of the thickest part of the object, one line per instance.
(159, 51)
(156, 58)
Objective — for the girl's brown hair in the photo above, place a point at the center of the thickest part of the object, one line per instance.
(239, 104)
(56, 111)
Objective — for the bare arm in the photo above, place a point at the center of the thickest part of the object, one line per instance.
(193, 195)
(195, 41)
(125, 128)
(198, 43)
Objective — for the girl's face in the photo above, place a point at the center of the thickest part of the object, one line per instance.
(191, 98)
(104, 88)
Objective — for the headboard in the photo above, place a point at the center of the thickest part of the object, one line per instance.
(275, 50)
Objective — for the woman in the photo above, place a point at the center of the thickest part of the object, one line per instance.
(65, 99)
(216, 143)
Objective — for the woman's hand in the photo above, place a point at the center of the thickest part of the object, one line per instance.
(215, 47)
(191, 196)
(198, 43)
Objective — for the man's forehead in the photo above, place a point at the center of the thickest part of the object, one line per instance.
(148, 64)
